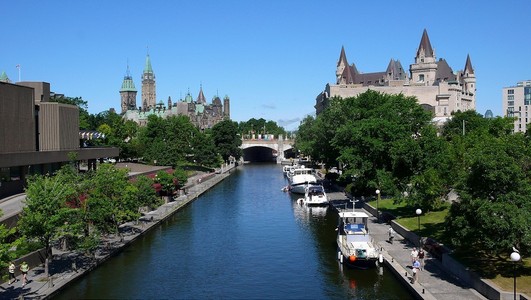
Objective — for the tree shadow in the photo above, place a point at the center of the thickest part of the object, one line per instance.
(489, 266)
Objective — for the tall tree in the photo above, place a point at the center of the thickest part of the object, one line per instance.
(227, 140)
(45, 210)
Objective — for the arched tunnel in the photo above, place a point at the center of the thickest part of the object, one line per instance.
(264, 154)
(259, 154)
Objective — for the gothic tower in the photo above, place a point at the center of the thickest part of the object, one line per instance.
(226, 107)
(424, 69)
(149, 94)
(128, 92)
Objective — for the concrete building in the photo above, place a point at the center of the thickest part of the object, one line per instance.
(38, 136)
(200, 113)
(432, 81)
(516, 103)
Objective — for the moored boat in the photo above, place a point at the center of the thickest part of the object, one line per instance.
(356, 247)
(299, 178)
(314, 195)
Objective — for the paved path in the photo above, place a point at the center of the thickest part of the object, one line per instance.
(433, 280)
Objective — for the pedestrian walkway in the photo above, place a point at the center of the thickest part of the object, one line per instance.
(68, 266)
(433, 282)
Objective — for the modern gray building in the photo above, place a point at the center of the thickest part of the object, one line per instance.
(38, 136)
(516, 101)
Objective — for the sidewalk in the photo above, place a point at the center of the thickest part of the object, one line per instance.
(433, 282)
(68, 266)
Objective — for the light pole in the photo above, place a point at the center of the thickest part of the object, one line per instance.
(419, 212)
(377, 205)
(515, 257)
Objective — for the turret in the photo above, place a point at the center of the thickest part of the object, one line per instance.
(469, 78)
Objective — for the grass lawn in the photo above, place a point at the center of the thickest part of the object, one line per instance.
(496, 268)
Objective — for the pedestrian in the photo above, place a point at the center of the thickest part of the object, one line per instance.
(391, 234)
(24, 268)
(414, 255)
(416, 270)
(12, 272)
(421, 258)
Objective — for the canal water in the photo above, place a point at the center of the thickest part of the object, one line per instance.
(243, 239)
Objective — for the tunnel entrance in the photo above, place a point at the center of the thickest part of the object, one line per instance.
(259, 154)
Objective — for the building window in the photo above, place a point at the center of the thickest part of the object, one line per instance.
(421, 77)
(510, 92)
(510, 103)
(510, 97)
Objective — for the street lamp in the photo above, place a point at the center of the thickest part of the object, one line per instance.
(515, 257)
(377, 204)
(419, 212)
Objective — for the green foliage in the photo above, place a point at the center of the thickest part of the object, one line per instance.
(204, 151)
(6, 245)
(227, 140)
(109, 200)
(45, 209)
(494, 212)
(146, 196)
(260, 126)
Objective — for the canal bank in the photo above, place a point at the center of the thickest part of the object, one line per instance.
(70, 266)
(433, 282)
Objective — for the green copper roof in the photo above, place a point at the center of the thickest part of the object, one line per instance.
(128, 85)
(199, 108)
(4, 77)
(188, 98)
(147, 67)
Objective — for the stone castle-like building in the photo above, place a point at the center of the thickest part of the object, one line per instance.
(431, 81)
(201, 114)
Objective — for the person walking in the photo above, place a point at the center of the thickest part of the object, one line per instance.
(421, 258)
(11, 270)
(24, 268)
(414, 255)
(391, 234)
(416, 270)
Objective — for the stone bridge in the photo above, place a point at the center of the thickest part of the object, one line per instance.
(266, 149)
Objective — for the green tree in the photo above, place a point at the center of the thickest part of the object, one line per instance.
(146, 196)
(167, 182)
(45, 209)
(111, 199)
(374, 125)
(227, 140)
(494, 210)
(204, 151)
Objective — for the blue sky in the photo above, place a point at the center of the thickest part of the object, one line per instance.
(271, 58)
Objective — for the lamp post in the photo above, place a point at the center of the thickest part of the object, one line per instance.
(377, 205)
(515, 257)
(419, 212)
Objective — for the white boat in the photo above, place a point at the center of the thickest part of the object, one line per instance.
(289, 169)
(356, 247)
(314, 195)
(299, 178)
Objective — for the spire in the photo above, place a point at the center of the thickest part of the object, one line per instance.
(425, 45)
(201, 97)
(468, 66)
(147, 67)
(342, 58)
